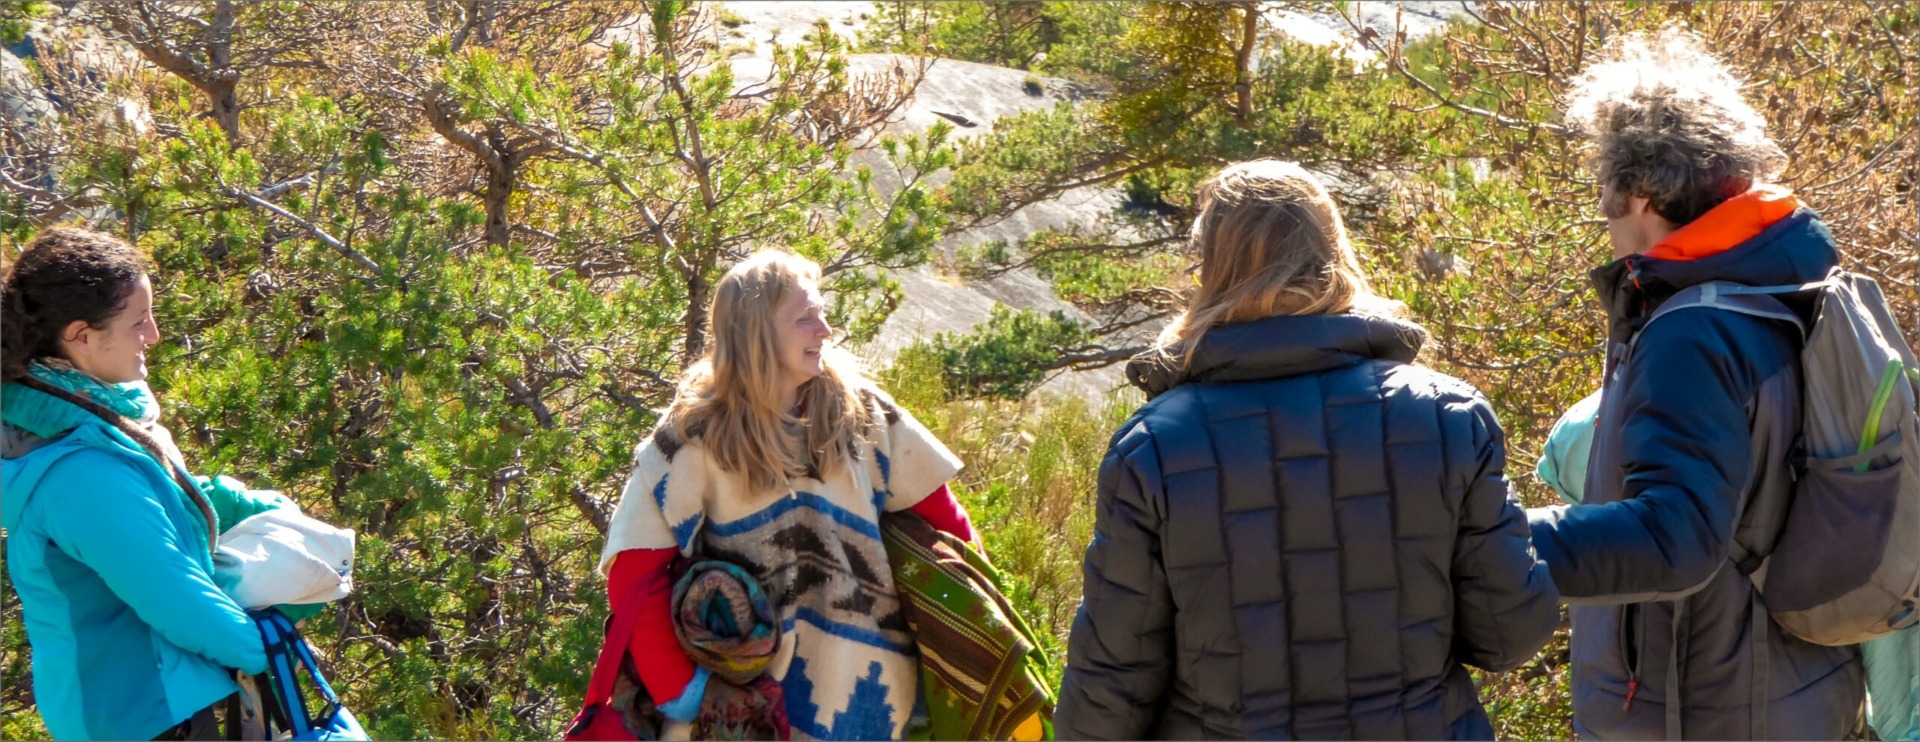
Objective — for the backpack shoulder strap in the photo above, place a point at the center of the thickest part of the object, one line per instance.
(1753, 301)
(1756, 301)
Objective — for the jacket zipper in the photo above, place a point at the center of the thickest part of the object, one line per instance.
(1629, 650)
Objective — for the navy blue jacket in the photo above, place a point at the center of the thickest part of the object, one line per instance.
(1698, 420)
(1302, 535)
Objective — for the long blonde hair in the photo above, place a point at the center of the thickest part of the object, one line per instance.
(1270, 242)
(730, 398)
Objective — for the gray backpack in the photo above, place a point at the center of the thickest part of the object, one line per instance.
(1846, 565)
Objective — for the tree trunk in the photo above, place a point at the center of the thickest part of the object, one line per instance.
(483, 28)
(1243, 65)
(499, 192)
(222, 87)
(500, 163)
(695, 320)
(226, 108)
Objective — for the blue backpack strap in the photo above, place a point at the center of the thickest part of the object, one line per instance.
(287, 680)
(283, 683)
(287, 653)
(271, 701)
(304, 653)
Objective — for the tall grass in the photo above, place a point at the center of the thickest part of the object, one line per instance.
(1028, 484)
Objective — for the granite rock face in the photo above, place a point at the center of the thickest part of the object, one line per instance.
(971, 96)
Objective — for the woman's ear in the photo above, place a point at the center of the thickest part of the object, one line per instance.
(76, 333)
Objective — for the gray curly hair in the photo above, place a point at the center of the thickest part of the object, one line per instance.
(1668, 124)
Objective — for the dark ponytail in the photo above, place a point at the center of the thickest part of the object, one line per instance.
(67, 274)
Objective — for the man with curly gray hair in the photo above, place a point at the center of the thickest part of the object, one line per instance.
(1691, 462)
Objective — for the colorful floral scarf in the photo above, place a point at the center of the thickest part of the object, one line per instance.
(724, 620)
(726, 624)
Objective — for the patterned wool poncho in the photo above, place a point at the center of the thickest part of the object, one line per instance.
(847, 662)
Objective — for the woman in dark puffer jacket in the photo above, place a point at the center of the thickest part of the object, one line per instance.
(1302, 534)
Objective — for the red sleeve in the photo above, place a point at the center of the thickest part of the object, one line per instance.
(664, 667)
(942, 511)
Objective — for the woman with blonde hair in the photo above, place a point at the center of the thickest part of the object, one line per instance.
(1302, 534)
(779, 456)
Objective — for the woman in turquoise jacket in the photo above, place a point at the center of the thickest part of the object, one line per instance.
(109, 538)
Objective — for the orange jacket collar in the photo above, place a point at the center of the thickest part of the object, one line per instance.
(1725, 226)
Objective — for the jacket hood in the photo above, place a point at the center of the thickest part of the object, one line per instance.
(47, 427)
(1728, 224)
(1280, 347)
(19, 476)
(38, 412)
(1795, 249)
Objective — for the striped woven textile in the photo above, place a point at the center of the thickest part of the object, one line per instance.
(982, 676)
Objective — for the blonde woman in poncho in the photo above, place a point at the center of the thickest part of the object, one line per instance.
(779, 456)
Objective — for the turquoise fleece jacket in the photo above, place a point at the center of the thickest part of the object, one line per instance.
(130, 632)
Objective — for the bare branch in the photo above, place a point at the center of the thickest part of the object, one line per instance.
(57, 205)
(588, 508)
(147, 40)
(1397, 63)
(444, 124)
(554, 140)
(310, 227)
(284, 187)
(521, 395)
(1094, 357)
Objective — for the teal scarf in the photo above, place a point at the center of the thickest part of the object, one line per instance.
(133, 400)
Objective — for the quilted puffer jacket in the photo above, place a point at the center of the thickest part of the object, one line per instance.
(1302, 535)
